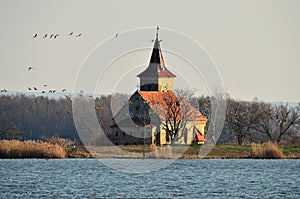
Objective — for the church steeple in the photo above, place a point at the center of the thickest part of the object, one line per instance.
(156, 56)
(156, 77)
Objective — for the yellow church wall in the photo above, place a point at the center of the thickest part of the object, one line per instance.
(165, 84)
(163, 136)
(202, 126)
(184, 139)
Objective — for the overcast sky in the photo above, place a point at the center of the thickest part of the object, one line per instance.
(255, 44)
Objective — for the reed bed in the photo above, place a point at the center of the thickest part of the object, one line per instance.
(30, 149)
(267, 150)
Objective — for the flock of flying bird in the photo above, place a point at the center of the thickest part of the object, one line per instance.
(30, 68)
(54, 36)
(50, 36)
(45, 85)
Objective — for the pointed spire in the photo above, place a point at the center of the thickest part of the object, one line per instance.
(157, 66)
(156, 57)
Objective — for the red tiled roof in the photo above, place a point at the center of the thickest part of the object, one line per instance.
(190, 112)
(166, 104)
(158, 102)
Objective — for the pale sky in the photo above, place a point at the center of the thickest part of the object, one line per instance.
(255, 44)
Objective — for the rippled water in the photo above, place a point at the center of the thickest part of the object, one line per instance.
(88, 178)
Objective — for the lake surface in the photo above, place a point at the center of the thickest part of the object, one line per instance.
(200, 178)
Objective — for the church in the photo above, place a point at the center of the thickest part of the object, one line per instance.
(154, 114)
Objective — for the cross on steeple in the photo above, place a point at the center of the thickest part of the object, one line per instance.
(156, 77)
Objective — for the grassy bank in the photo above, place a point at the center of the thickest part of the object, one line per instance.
(223, 151)
(257, 151)
(60, 149)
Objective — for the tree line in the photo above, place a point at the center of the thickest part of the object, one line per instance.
(258, 122)
(32, 117)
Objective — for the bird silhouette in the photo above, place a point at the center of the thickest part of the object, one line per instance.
(35, 88)
(71, 33)
(30, 68)
(45, 85)
(43, 91)
(64, 90)
(78, 35)
(52, 35)
(35, 36)
(45, 36)
(56, 36)
(53, 91)
(3, 90)
(29, 88)
(50, 91)
(117, 34)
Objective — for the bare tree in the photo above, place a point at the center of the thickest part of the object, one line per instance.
(277, 120)
(241, 117)
(11, 132)
(178, 110)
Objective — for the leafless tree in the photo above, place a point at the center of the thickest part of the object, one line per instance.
(177, 110)
(11, 132)
(242, 117)
(277, 120)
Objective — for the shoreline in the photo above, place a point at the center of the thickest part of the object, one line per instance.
(14, 149)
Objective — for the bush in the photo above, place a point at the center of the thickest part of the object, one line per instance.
(267, 150)
(30, 149)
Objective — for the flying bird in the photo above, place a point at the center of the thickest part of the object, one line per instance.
(45, 85)
(117, 34)
(45, 36)
(64, 90)
(29, 88)
(71, 33)
(56, 36)
(35, 88)
(43, 91)
(30, 68)
(35, 36)
(78, 35)
(52, 35)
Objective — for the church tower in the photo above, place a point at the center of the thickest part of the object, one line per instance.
(156, 77)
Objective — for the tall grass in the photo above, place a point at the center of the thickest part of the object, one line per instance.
(267, 150)
(30, 149)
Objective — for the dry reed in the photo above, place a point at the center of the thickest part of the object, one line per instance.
(267, 150)
(30, 149)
